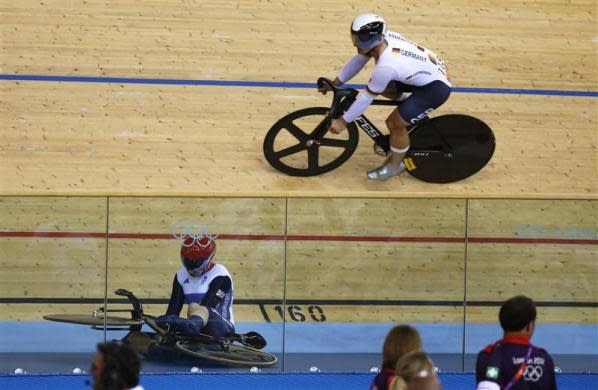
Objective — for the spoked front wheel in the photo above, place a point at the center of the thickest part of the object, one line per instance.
(231, 354)
(448, 148)
(292, 146)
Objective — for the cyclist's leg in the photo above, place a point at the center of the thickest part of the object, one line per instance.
(399, 138)
(422, 101)
(394, 91)
(187, 327)
(149, 346)
(397, 91)
(217, 325)
(166, 320)
(140, 341)
(192, 326)
(399, 145)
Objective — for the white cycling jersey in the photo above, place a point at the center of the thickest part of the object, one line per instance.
(195, 288)
(403, 61)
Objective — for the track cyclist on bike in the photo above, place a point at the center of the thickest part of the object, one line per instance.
(405, 72)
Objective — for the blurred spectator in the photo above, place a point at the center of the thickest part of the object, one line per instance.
(415, 371)
(400, 340)
(115, 367)
(513, 363)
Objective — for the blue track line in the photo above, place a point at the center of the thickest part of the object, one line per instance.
(269, 84)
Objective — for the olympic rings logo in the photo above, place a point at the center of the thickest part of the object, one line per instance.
(196, 230)
(533, 373)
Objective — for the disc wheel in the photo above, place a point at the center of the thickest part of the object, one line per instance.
(468, 145)
(233, 354)
(290, 146)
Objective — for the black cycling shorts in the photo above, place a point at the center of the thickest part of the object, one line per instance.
(423, 100)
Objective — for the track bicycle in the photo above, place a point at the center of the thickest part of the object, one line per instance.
(444, 149)
(235, 349)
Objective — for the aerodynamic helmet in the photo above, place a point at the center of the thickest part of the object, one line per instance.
(197, 254)
(367, 31)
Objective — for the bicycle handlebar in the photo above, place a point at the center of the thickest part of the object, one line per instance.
(342, 97)
(123, 292)
(137, 307)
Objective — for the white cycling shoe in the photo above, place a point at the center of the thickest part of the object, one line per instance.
(387, 170)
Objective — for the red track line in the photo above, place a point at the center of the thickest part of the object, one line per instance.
(499, 240)
(274, 237)
(53, 234)
(375, 238)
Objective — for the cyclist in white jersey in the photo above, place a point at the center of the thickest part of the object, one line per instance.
(404, 71)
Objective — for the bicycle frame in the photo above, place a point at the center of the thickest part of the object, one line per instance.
(383, 142)
(342, 100)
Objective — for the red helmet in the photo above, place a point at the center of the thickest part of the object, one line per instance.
(197, 254)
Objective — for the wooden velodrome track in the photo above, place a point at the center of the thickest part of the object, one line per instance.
(164, 142)
(127, 139)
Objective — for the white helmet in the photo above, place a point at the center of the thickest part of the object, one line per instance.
(367, 31)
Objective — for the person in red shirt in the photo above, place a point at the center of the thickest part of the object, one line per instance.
(513, 363)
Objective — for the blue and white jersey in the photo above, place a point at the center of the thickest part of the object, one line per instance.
(213, 289)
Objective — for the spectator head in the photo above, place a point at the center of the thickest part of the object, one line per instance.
(415, 371)
(116, 366)
(518, 314)
(400, 340)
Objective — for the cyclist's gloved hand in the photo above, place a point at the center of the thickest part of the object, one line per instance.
(337, 126)
(164, 321)
(177, 324)
(323, 88)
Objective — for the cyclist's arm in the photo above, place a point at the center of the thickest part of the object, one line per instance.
(380, 78)
(219, 287)
(352, 67)
(177, 298)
